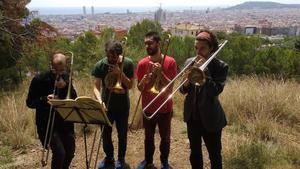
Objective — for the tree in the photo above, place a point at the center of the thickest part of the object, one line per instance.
(11, 35)
(137, 32)
(297, 44)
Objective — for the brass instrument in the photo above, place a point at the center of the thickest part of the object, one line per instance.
(196, 76)
(114, 81)
(155, 89)
(200, 71)
(51, 118)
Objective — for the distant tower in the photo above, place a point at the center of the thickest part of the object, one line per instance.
(92, 9)
(207, 10)
(160, 15)
(84, 10)
(34, 14)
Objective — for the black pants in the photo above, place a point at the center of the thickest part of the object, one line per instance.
(121, 119)
(212, 142)
(163, 120)
(63, 148)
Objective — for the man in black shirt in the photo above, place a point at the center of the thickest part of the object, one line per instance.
(41, 90)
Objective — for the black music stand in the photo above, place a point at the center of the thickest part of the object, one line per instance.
(82, 110)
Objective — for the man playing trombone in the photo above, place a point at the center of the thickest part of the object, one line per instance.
(152, 74)
(203, 112)
(114, 75)
(48, 85)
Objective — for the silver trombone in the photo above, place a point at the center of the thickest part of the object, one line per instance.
(202, 67)
(51, 118)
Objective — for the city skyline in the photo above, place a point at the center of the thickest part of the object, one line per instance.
(144, 3)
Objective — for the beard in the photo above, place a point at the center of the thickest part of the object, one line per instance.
(152, 51)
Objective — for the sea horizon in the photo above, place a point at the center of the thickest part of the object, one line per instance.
(79, 10)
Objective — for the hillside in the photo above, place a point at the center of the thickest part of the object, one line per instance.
(262, 5)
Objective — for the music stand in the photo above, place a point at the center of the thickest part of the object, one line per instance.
(82, 110)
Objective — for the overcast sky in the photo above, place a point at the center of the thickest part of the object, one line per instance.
(143, 3)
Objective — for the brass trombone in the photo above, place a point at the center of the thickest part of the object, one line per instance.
(155, 89)
(113, 81)
(201, 68)
(51, 118)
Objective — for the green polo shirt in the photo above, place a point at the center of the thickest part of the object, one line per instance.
(116, 101)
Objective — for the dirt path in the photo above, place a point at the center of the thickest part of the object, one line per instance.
(179, 153)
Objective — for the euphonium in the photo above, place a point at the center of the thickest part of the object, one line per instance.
(155, 89)
(112, 80)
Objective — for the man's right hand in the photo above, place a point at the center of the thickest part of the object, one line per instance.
(147, 78)
(50, 96)
(103, 105)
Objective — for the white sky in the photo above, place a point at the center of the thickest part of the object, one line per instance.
(143, 3)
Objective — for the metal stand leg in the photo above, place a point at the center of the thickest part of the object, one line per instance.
(85, 146)
(99, 145)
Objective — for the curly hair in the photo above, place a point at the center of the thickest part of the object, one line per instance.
(114, 46)
(213, 42)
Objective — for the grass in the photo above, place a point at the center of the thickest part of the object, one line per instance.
(263, 115)
(5, 155)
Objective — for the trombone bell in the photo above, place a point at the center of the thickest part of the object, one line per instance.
(154, 89)
(113, 83)
(118, 88)
(196, 76)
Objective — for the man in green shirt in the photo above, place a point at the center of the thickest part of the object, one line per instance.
(117, 103)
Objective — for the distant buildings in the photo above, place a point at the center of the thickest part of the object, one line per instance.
(92, 10)
(84, 10)
(265, 27)
(250, 30)
(186, 29)
(160, 15)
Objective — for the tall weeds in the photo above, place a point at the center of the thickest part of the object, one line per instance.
(263, 115)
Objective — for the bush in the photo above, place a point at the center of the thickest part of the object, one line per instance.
(253, 155)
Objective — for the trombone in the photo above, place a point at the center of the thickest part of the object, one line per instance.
(155, 88)
(113, 81)
(202, 67)
(51, 118)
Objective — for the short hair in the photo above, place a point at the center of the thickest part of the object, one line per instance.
(114, 46)
(60, 58)
(154, 35)
(53, 53)
(213, 42)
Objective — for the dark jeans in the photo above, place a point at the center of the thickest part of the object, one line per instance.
(164, 125)
(121, 119)
(212, 142)
(63, 149)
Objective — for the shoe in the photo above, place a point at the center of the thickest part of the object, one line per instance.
(120, 164)
(106, 163)
(165, 165)
(145, 165)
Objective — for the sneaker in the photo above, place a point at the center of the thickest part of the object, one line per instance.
(165, 165)
(145, 165)
(121, 164)
(106, 164)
